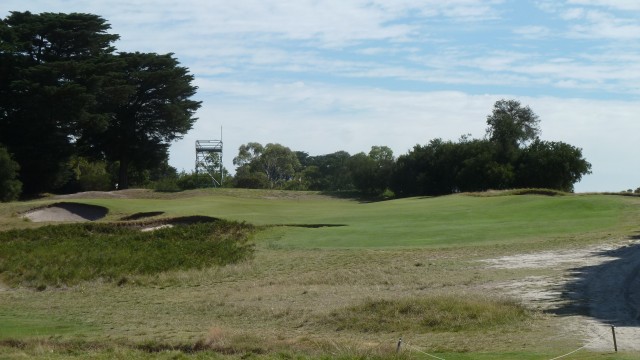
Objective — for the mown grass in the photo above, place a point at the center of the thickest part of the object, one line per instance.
(17, 325)
(67, 254)
(428, 314)
(457, 220)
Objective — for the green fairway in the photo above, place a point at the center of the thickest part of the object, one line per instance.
(458, 220)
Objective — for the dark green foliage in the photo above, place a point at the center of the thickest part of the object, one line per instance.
(371, 173)
(48, 82)
(87, 175)
(553, 165)
(10, 187)
(185, 181)
(166, 185)
(510, 126)
(148, 109)
(67, 254)
(502, 161)
(64, 93)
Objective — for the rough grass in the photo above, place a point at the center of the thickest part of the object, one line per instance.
(279, 304)
(429, 313)
(66, 254)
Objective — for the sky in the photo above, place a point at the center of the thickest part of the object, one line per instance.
(322, 76)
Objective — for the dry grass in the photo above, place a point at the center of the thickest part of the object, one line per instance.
(435, 313)
(277, 301)
(273, 306)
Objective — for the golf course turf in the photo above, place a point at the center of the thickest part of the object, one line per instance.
(315, 261)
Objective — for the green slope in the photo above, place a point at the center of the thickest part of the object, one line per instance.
(458, 220)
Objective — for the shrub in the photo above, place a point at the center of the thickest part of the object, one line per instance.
(167, 185)
(66, 254)
(10, 187)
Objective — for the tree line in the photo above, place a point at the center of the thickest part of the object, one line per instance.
(75, 114)
(511, 155)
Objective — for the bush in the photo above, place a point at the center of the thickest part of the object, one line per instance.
(10, 187)
(190, 181)
(58, 255)
(167, 185)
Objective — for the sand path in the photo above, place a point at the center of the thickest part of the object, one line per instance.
(593, 289)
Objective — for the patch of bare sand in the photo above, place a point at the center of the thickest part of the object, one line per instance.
(591, 290)
(154, 228)
(66, 212)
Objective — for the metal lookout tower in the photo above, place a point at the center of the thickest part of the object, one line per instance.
(209, 159)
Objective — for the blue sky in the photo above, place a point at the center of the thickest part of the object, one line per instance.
(328, 75)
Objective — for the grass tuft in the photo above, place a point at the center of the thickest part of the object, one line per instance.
(67, 254)
(442, 313)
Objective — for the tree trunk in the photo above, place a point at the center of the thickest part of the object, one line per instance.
(123, 174)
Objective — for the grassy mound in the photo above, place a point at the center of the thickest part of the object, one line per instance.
(428, 314)
(67, 254)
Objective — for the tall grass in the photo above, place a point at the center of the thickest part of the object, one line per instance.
(67, 254)
(427, 314)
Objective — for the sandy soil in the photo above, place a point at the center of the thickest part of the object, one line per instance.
(593, 289)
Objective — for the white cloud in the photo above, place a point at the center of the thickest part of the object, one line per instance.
(615, 20)
(633, 5)
(322, 119)
(533, 32)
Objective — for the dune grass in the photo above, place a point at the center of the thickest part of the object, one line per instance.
(64, 255)
(427, 314)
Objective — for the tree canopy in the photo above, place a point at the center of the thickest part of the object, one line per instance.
(270, 166)
(64, 92)
(510, 126)
(510, 156)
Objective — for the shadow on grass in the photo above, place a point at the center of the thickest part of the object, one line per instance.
(181, 220)
(312, 226)
(356, 196)
(608, 291)
(141, 215)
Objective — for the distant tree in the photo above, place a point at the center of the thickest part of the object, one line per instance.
(149, 106)
(88, 175)
(445, 167)
(552, 165)
(511, 126)
(363, 171)
(248, 153)
(417, 172)
(10, 186)
(329, 172)
(212, 171)
(279, 163)
(371, 172)
(270, 166)
(479, 168)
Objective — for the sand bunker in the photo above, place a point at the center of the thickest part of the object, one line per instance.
(67, 212)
